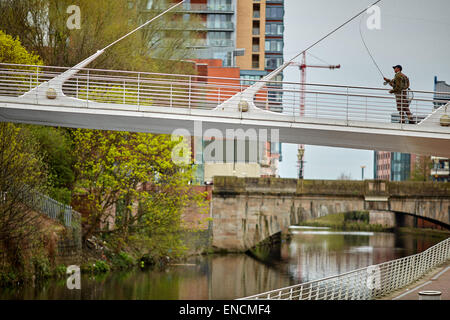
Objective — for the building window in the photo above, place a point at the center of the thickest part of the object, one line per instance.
(256, 11)
(219, 21)
(274, 45)
(275, 13)
(273, 63)
(255, 30)
(274, 29)
(249, 79)
(255, 61)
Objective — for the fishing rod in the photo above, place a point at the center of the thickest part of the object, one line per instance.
(368, 51)
(283, 66)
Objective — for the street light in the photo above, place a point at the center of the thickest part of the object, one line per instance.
(362, 174)
(301, 152)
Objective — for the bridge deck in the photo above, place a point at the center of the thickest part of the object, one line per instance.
(333, 115)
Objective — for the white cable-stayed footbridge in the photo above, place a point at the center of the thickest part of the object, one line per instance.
(334, 115)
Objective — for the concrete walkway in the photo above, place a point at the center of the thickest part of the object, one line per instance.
(437, 280)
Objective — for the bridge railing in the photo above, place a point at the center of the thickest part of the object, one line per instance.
(367, 283)
(148, 91)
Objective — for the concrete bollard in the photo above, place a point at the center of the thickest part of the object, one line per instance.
(429, 295)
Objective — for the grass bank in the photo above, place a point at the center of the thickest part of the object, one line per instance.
(348, 221)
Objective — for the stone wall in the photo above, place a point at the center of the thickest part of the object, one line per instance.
(383, 218)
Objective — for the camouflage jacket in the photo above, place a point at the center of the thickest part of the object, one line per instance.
(399, 83)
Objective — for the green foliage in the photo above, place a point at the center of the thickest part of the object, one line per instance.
(362, 216)
(41, 266)
(122, 261)
(9, 278)
(23, 172)
(42, 26)
(97, 267)
(118, 170)
(55, 148)
(100, 266)
(60, 271)
(421, 170)
(12, 51)
(350, 221)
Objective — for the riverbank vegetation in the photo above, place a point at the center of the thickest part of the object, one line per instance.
(348, 221)
(129, 191)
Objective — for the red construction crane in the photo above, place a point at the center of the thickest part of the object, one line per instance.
(302, 66)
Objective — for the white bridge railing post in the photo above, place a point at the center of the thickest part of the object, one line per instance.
(190, 89)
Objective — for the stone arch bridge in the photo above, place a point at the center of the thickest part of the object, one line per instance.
(246, 211)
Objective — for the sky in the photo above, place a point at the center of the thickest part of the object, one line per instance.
(414, 34)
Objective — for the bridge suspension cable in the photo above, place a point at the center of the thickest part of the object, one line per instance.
(142, 26)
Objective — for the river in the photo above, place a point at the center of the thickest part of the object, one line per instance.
(310, 254)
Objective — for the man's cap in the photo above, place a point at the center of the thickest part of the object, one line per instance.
(398, 66)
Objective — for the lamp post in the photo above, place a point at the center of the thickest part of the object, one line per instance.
(362, 173)
(301, 152)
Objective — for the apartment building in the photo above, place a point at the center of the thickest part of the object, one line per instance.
(243, 35)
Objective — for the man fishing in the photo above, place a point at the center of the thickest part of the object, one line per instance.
(400, 85)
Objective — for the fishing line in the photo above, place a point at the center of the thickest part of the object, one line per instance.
(367, 48)
(283, 66)
(316, 57)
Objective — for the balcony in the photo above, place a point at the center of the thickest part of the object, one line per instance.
(224, 26)
(440, 172)
(206, 43)
(212, 26)
(207, 8)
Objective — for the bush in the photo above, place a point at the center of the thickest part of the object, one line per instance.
(9, 278)
(41, 267)
(100, 266)
(60, 271)
(123, 261)
(362, 216)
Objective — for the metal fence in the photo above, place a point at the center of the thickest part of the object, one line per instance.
(367, 283)
(54, 209)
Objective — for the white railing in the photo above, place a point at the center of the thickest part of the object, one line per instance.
(322, 101)
(367, 283)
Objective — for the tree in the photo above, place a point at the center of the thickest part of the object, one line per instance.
(22, 173)
(55, 148)
(345, 176)
(12, 51)
(422, 169)
(129, 178)
(42, 24)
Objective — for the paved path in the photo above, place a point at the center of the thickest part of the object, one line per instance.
(438, 280)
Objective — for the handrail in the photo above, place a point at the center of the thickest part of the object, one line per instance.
(154, 90)
(219, 78)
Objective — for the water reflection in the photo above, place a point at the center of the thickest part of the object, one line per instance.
(309, 255)
(315, 254)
